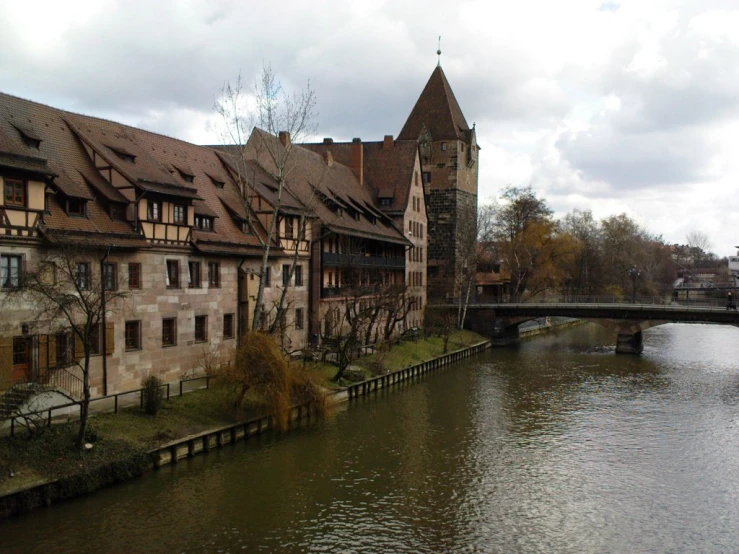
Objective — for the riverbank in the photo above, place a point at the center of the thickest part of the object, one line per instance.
(39, 470)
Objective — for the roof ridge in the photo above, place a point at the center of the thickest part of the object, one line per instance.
(98, 118)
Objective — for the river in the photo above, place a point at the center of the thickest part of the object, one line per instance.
(558, 445)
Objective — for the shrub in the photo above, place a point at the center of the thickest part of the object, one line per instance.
(261, 367)
(153, 394)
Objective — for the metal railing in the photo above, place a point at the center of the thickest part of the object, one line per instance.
(605, 300)
(112, 399)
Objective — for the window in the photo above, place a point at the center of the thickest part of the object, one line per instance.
(64, 349)
(426, 176)
(267, 277)
(193, 275)
(82, 276)
(94, 339)
(289, 227)
(298, 318)
(286, 275)
(385, 201)
(134, 276)
(169, 331)
(201, 328)
(154, 210)
(76, 207)
(21, 350)
(173, 274)
(10, 271)
(125, 156)
(443, 146)
(15, 192)
(421, 230)
(298, 275)
(228, 326)
(117, 212)
(179, 213)
(110, 276)
(203, 222)
(133, 335)
(214, 274)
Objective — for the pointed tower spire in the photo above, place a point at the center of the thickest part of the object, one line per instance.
(438, 110)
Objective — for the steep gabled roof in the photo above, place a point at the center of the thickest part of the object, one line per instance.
(438, 110)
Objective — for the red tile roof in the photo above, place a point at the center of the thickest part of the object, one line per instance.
(438, 110)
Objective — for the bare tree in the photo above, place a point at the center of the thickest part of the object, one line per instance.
(271, 109)
(71, 292)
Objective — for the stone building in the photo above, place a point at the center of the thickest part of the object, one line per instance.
(170, 228)
(449, 162)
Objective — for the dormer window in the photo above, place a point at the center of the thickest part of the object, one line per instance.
(218, 184)
(204, 222)
(123, 154)
(76, 207)
(29, 137)
(186, 176)
(386, 201)
(356, 216)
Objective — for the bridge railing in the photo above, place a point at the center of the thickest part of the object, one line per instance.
(711, 303)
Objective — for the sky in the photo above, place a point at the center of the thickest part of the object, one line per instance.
(613, 106)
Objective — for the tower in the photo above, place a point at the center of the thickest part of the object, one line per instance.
(449, 155)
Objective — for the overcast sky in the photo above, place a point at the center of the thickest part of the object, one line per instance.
(608, 105)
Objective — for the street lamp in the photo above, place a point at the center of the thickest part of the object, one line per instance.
(634, 274)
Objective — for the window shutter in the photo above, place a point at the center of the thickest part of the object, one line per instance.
(6, 359)
(43, 352)
(109, 338)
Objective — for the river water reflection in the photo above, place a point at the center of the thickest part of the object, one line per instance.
(556, 446)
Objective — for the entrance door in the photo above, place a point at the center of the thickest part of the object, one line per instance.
(21, 358)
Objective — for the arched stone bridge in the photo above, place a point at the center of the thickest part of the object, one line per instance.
(500, 321)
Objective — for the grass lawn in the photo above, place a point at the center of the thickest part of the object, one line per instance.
(129, 433)
(401, 355)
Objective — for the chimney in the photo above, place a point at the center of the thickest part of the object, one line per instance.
(284, 138)
(329, 158)
(357, 163)
(328, 140)
(387, 143)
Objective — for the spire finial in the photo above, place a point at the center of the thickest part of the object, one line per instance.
(438, 52)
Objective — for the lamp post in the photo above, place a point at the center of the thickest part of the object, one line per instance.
(634, 274)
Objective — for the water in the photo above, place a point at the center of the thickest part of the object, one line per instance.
(556, 446)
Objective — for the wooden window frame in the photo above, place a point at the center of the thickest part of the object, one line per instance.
(214, 275)
(228, 326)
(82, 279)
(179, 214)
(285, 275)
(169, 336)
(299, 325)
(114, 268)
(201, 328)
(134, 270)
(169, 266)
(154, 210)
(10, 192)
(7, 283)
(194, 280)
(298, 276)
(132, 337)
